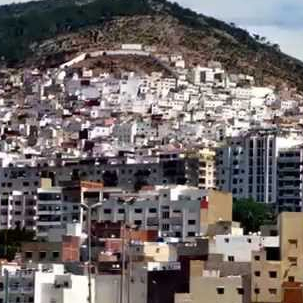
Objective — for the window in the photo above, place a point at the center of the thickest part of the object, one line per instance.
(107, 211)
(272, 291)
(191, 234)
(138, 210)
(165, 215)
(293, 261)
(231, 258)
(257, 258)
(1, 286)
(249, 240)
(153, 210)
(56, 254)
(121, 211)
(291, 279)
(272, 274)
(138, 222)
(257, 290)
(191, 222)
(240, 290)
(257, 273)
(165, 227)
(28, 255)
(226, 240)
(293, 242)
(220, 290)
(42, 255)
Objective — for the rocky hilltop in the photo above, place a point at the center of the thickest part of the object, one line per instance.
(51, 31)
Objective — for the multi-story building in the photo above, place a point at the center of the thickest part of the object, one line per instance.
(172, 210)
(56, 207)
(202, 162)
(17, 284)
(19, 188)
(18, 210)
(290, 179)
(247, 165)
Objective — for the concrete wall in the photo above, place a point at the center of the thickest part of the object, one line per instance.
(261, 279)
(205, 289)
(219, 206)
(291, 241)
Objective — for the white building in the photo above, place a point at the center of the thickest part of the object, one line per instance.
(240, 248)
(247, 165)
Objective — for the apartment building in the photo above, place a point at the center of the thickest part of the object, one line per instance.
(57, 207)
(205, 166)
(18, 210)
(290, 179)
(273, 267)
(17, 284)
(172, 210)
(213, 286)
(239, 248)
(247, 165)
(291, 245)
(266, 276)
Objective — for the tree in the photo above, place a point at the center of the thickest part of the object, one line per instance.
(10, 241)
(252, 214)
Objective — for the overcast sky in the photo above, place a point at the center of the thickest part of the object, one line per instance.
(281, 21)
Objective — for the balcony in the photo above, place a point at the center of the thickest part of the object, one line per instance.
(152, 221)
(176, 220)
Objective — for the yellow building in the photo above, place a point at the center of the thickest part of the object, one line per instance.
(291, 245)
(266, 278)
(270, 268)
(207, 168)
(210, 287)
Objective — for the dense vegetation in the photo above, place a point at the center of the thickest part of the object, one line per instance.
(252, 214)
(23, 24)
(27, 23)
(10, 241)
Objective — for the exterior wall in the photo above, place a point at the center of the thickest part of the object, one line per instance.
(41, 252)
(291, 239)
(264, 287)
(107, 288)
(219, 207)
(289, 187)
(235, 248)
(207, 288)
(167, 170)
(157, 252)
(52, 252)
(56, 207)
(61, 288)
(70, 249)
(173, 212)
(247, 165)
(207, 168)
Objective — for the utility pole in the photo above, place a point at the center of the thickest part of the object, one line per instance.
(89, 209)
(89, 244)
(123, 262)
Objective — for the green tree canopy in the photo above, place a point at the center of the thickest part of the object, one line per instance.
(252, 214)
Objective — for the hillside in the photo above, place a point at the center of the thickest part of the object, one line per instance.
(52, 30)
